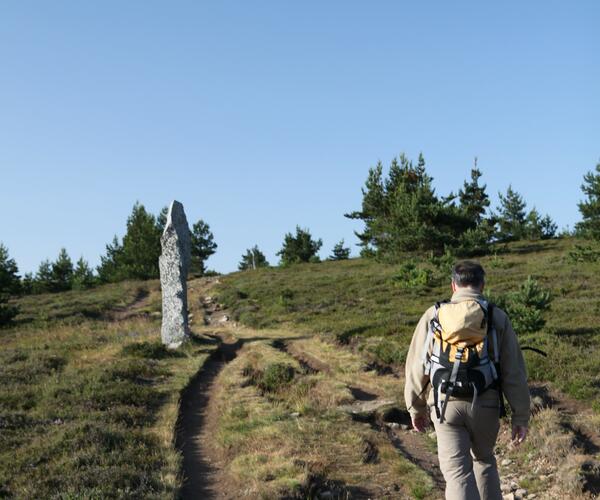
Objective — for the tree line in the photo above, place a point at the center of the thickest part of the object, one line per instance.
(135, 256)
(401, 212)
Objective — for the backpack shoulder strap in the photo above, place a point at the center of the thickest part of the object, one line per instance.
(434, 325)
(492, 331)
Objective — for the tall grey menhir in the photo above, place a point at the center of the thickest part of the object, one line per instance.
(174, 264)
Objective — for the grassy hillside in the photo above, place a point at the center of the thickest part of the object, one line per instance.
(369, 305)
(89, 397)
(309, 406)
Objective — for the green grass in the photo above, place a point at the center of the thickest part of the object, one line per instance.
(361, 302)
(88, 403)
(90, 304)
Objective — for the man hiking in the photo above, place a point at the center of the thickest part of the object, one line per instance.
(466, 351)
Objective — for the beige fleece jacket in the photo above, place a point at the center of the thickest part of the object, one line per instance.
(512, 366)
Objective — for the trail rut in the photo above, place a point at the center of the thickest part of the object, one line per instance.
(199, 471)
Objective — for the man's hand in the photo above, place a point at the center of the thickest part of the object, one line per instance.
(420, 423)
(519, 433)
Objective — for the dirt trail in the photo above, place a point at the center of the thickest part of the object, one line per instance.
(199, 472)
(393, 422)
(133, 309)
(202, 477)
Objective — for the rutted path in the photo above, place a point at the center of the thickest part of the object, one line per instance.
(369, 397)
(382, 414)
(199, 471)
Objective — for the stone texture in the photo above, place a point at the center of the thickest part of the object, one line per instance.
(174, 264)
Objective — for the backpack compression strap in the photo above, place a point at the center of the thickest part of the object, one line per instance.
(452, 381)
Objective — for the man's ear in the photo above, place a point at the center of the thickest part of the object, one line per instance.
(482, 287)
(453, 286)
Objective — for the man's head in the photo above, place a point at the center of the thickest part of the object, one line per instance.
(468, 274)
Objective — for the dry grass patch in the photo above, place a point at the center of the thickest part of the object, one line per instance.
(291, 439)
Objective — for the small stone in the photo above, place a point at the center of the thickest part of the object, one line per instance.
(505, 488)
(325, 494)
(514, 486)
(405, 427)
(531, 495)
(506, 461)
(224, 319)
(295, 414)
(520, 494)
(509, 496)
(392, 425)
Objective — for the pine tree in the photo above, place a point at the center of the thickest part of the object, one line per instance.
(161, 219)
(27, 284)
(373, 205)
(110, 269)
(299, 248)
(83, 276)
(415, 218)
(203, 246)
(473, 199)
(253, 259)
(512, 216)
(402, 212)
(538, 227)
(42, 282)
(10, 284)
(62, 272)
(589, 227)
(141, 245)
(340, 252)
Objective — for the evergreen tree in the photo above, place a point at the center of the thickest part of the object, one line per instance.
(538, 227)
(589, 227)
(203, 246)
(253, 259)
(141, 246)
(340, 252)
(42, 282)
(62, 272)
(83, 276)
(403, 212)
(299, 248)
(373, 205)
(110, 268)
(10, 284)
(27, 284)
(473, 199)
(512, 216)
(161, 219)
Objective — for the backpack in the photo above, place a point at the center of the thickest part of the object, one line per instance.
(456, 353)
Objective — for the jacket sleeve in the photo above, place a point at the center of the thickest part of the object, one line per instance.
(514, 375)
(415, 379)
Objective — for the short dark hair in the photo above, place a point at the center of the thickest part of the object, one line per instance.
(468, 273)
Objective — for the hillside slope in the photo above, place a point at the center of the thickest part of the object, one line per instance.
(364, 308)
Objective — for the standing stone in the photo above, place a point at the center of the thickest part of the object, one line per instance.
(174, 264)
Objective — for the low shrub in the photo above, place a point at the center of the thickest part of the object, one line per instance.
(411, 275)
(526, 306)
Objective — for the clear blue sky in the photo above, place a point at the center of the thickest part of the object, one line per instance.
(262, 115)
